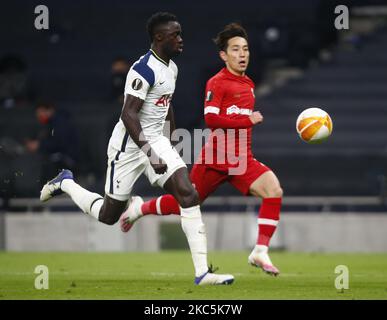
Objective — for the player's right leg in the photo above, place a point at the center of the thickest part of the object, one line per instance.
(267, 186)
(122, 172)
(105, 209)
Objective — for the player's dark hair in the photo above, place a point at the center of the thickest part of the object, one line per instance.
(158, 19)
(230, 31)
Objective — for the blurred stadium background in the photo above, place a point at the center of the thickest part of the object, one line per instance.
(335, 193)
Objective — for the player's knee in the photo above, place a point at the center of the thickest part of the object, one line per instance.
(275, 192)
(194, 198)
(107, 218)
(188, 197)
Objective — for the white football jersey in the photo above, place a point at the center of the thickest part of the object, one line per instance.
(153, 81)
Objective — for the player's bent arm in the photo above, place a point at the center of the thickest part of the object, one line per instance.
(171, 118)
(129, 117)
(216, 121)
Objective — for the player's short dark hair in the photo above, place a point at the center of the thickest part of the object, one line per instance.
(158, 19)
(230, 31)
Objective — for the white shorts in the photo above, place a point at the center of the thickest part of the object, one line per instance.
(124, 168)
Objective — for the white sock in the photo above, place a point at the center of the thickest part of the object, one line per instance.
(261, 248)
(263, 253)
(194, 229)
(87, 201)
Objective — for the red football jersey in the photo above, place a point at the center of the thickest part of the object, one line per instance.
(229, 100)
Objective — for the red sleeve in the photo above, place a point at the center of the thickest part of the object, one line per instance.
(214, 94)
(215, 121)
(212, 103)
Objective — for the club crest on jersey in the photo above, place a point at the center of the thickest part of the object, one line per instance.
(137, 84)
(209, 96)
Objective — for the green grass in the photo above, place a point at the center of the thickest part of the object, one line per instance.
(169, 275)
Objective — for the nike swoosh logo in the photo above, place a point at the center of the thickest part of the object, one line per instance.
(162, 82)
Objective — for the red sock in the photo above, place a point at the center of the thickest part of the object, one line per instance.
(268, 218)
(163, 205)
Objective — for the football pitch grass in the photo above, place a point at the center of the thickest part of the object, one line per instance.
(169, 275)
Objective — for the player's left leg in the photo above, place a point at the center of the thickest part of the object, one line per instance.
(267, 187)
(180, 186)
(258, 180)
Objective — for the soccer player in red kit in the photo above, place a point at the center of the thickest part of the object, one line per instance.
(228, 109)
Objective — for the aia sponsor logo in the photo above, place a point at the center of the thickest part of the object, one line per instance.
(164, 101)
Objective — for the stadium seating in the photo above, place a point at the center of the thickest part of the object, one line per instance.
(70, 63)
(352, 88)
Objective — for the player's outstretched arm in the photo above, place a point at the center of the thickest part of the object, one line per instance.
(129, 117)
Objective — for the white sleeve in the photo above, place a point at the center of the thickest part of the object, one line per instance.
(136, 85)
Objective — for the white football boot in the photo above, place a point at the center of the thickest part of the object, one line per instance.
(132, 214)
(211, 278)
(53, 188)
(260, 258)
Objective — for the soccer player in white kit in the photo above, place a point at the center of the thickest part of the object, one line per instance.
(138, 146)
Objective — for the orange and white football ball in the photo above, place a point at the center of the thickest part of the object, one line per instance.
(314, 125)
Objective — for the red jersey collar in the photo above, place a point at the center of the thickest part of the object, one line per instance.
(228, 73)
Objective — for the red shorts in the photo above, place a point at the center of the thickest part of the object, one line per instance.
(207, 178)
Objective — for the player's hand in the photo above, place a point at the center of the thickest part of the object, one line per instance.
(159, 166)
(256, 117)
